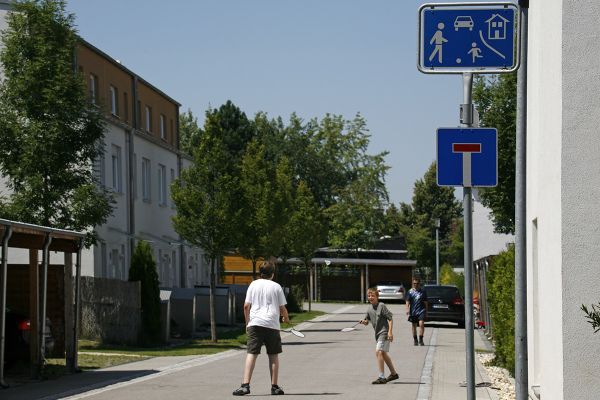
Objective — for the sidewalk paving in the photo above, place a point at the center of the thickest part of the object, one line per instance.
(441, 376)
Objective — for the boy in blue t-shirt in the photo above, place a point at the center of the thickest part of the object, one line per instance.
(416, 309)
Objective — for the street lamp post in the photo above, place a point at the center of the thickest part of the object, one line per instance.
(437, 251)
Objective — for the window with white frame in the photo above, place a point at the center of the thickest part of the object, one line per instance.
(93, 88)
(116, 169)
(114, 100)
(163, 127)
(146, 179)
(148, 119)
(134, 175)
(162, 185)
(171, 193)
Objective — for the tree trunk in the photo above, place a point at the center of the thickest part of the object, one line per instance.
(253, 268)
(211, 295)
(308, 291)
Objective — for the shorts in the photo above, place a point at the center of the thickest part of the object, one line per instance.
(416, 318)
(259, 335)
(383, 345)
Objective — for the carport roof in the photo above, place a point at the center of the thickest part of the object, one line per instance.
(30, 236)
(363, 261)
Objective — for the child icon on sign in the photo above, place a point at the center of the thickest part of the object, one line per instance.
(439, 39)
(475, 52)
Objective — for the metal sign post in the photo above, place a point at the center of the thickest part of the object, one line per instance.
(468, 38)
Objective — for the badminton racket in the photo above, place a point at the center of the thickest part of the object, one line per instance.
(293, 331)
(350, 329)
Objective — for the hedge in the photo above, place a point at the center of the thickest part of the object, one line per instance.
(501, 298)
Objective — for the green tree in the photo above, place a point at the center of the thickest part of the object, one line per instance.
(189, 132)
(417, 221)
(208, 195)
(143, 269)
(306, 229)
(258, 217)
(51, 133)
(357, 218)
(449, 277)
(496, 101)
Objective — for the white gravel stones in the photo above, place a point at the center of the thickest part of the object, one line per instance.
(499, 377)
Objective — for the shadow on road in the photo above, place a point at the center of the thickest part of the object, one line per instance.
(304, 343)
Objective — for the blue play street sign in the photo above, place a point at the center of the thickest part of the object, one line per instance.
(467, 157)
(457, 38)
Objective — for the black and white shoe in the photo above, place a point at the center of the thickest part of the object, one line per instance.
(276, 390)
(242, 390)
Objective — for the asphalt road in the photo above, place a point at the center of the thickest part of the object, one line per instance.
(325, 364)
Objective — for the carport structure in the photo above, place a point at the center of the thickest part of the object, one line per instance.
(35, 238)
(366, 266)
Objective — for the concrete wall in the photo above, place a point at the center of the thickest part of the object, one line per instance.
(110, 310)
(562, 197)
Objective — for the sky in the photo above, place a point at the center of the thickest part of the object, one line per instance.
(309, 57)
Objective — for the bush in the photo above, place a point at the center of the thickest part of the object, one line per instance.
(501, 298)
(295, 299)
(449, 277)
(143, 269)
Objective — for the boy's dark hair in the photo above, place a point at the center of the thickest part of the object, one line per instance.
(267, 268)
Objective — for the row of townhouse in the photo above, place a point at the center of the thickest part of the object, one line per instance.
(142, 157)
(141, 160)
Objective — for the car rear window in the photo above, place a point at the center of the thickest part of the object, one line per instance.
(442, 292)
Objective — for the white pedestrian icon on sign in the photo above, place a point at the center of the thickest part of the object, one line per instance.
(439, 40)
(475, 52)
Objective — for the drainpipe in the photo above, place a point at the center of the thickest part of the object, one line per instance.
(42, 325)
(7, 235)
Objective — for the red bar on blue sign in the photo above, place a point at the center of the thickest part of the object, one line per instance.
(466, 147)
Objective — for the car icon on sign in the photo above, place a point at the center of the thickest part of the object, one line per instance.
(463, 22)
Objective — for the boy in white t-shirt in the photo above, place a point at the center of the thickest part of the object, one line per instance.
(265, 303)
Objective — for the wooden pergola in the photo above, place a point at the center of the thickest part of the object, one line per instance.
(35, 238)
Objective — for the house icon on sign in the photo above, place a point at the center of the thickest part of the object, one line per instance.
(497, 27)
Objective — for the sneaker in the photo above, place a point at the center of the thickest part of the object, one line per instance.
(276, 390)
(379, 381)
(242, 390)
(392, 377)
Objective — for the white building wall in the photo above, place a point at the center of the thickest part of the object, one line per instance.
(152, 219)
(485, 241)
(580, 194)
(563, 188)
(110, 257)
(196, 265)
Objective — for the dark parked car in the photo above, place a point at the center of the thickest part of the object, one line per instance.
(18, 332)
(445, 304)
(391, 290)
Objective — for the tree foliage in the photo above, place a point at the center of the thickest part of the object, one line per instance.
(496, 101)
(143, 269)
(51, 133)
(592, 315)
(416, 222)
(208, 195)
(501, 298)
(189, 132)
